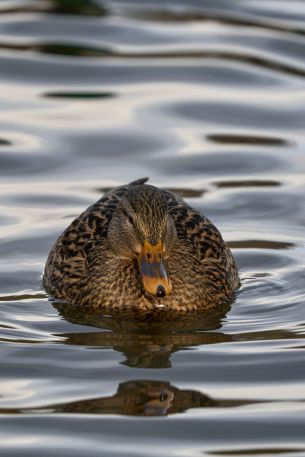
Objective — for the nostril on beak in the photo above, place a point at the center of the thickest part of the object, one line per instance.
(161, 291)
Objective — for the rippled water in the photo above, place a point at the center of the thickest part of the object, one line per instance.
(208, 99)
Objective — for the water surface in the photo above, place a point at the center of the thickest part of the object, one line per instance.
(208, 99)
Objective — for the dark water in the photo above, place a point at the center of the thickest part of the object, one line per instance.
(207, 98)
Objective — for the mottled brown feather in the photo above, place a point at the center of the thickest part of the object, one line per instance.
(81, 269)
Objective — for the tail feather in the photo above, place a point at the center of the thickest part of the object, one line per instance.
(138, 182)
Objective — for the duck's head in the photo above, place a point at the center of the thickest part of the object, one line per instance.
(142, 229)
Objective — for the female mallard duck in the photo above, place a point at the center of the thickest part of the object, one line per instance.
(144, 248)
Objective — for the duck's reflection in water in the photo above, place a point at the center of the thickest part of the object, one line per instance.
(138, 398)
(146, 341)
(141, 398)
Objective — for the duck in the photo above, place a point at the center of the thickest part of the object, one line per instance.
(141, 248)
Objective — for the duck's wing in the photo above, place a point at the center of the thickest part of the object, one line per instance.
(67, 260)
(92, 225)
(206, 243)
(195, 228)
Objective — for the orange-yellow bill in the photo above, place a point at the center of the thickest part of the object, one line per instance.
(155, 279)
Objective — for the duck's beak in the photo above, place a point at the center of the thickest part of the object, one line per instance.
(155, 279)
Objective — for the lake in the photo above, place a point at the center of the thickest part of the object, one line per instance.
(207, 98)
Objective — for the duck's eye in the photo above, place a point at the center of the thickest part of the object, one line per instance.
(163, 396)
(130, 220)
